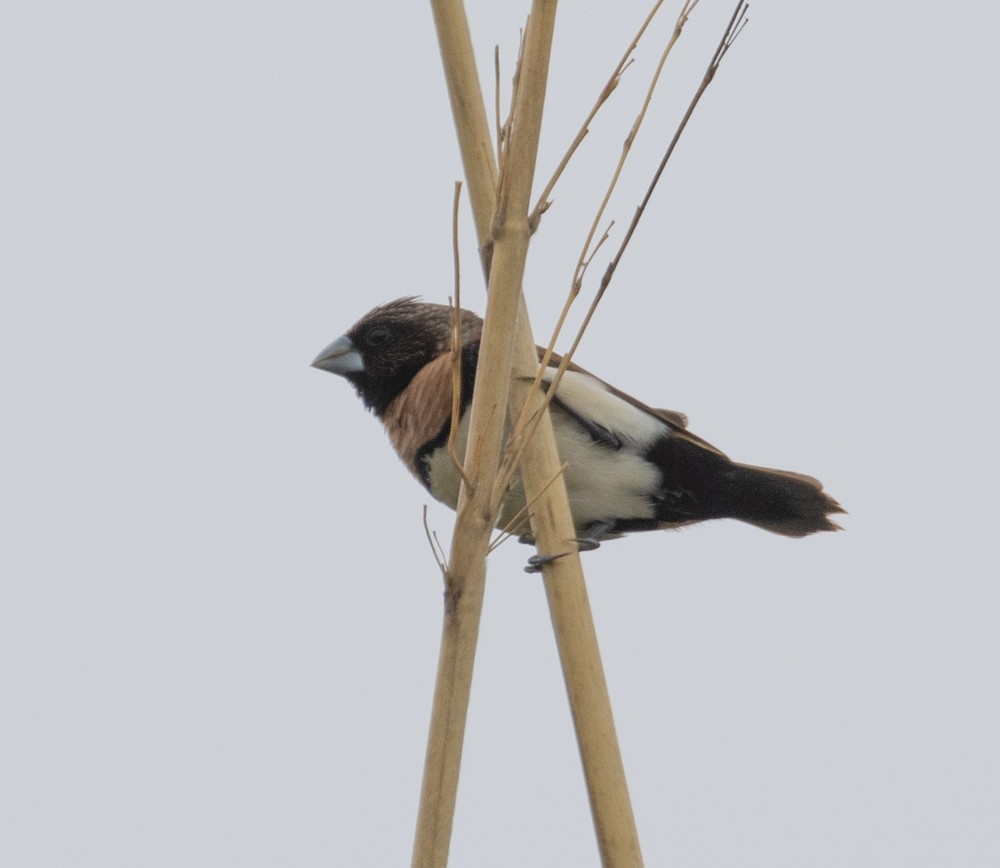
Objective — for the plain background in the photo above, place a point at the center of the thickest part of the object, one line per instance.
(219, 616)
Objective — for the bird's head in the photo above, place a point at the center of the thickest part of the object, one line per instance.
(383, 351)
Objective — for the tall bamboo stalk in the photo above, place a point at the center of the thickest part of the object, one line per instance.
(502, 227)
(466, 576)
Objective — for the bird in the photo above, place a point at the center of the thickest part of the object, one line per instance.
(629, 467)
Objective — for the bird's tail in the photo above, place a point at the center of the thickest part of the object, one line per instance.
(791, 504)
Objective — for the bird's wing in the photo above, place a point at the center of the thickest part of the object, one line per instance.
(676, 421)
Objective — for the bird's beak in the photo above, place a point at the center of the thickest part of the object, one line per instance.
(340, 357)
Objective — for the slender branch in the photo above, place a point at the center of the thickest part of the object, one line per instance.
(496, 96)
(586, 253)
(435, 545)
(500, 212)
(736, 24)
(466, 578)
(682, 19)
(524, 427)
(576, 637)
(552, 526)
(543, 203)
(456, 344)
(523, 515)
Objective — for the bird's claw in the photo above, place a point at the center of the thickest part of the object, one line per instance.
(586, 543)
(536, 562)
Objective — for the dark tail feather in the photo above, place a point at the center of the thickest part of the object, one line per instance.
(777, 500)
(700, 483)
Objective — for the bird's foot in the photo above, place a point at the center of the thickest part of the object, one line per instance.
(591, 538)
(586, 543)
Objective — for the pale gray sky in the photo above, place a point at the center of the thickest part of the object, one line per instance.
(219, 616)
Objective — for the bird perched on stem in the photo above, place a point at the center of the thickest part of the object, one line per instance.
(630, 467)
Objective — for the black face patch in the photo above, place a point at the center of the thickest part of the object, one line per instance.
(396, 340)
(393, 350)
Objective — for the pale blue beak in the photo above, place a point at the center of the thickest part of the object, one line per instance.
(340, 357)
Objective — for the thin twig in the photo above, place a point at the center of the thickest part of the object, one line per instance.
(543, 202)
(524, 428)
(735, 27)
(523, 514)
(456, 345)
(500, 216)
(682, 18)
(436, 548)
(496, 97)
(586, 253)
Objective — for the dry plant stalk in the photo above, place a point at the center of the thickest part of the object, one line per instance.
(465, 579)
(508, 368)
(456, 343)
(503, 231)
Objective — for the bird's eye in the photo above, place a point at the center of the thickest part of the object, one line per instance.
(378, 336)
